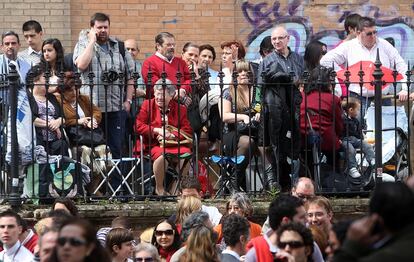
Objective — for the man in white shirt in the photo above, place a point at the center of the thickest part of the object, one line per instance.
(364, 48)
(190, 186)
(10, 229)
(33, 33)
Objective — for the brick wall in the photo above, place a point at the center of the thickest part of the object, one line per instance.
(212, 21)
(54, 16)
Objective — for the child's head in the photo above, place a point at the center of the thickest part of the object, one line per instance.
(351, 106)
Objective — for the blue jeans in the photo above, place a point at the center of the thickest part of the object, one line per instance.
(116, 123)
(351, 143)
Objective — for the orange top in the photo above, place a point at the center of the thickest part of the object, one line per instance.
(255, 231)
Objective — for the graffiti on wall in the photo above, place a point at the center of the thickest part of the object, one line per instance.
(263, 16)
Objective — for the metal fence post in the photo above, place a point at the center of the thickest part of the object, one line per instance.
(378, 83)
(14, 79)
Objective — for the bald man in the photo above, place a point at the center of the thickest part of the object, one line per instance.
(280, 94)
(131, 46)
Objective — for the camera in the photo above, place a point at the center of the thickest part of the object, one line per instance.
(110, 76)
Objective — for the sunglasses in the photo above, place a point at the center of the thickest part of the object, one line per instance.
(292, 244)
(371, 33)
(73, 241)
(168, 232)
(143, 259)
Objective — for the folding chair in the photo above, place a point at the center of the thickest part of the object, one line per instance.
(227, 165)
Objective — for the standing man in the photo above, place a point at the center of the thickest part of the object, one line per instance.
(364, 48)
(132, 47)
(281, 102)
(10, 229)
(33, 33)
(97, 52)
(10, 44)
(164, 59)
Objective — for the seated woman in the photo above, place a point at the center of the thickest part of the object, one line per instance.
(78, 108)
(237, 109)
(322, 110)
(240, 204)
(80, 113)
(158, 121)
(48, 116)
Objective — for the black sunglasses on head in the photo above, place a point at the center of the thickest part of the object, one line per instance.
(292, 244)
(73, 241)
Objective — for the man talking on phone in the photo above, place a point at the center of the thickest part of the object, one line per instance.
(387, 233)
(98, 53)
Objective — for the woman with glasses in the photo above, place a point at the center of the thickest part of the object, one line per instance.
(77, 243)
(241, 205)
(295, 243)
(237, 110)
(145, 252)
(166, 239)
(119, 244)
(162, 120)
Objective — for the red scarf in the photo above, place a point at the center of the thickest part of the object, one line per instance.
(166, 253)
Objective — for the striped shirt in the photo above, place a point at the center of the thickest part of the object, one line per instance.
(30, 56)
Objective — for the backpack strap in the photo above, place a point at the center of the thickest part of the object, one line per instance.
(121, 46)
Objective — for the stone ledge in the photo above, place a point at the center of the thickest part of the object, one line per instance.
(147, 213)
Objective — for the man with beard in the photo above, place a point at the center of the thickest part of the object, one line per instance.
(164, 61)
(105, 56)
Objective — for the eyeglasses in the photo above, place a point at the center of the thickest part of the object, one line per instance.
(292, 244)
(143, 259)
(303, 196)
(168, 232)
(73, 241)
(279, 38)
(371, 33)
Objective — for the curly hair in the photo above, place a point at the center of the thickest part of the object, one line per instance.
(235, 226)
(201, 246)
(243, 201)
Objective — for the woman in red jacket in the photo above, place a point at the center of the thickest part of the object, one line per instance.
(161, 119)
(322, 110)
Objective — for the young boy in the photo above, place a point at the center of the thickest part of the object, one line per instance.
(353, 137)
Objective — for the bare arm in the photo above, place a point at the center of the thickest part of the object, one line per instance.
(84, 59)
(228, 116)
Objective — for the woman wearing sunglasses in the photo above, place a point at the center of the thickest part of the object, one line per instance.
(295, 243)
(119, 244)
(145, 252)
(77, 243)
(166, 239)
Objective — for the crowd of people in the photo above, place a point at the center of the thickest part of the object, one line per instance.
(263, 108)
(300, 227)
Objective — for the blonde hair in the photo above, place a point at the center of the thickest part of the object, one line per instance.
(147, 235)
(187, 206)
(241, 103)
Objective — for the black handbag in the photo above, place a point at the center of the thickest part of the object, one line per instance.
(84, 136)
(251, 128)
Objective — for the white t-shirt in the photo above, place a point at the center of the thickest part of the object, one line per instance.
(17, 253)
(213, 213)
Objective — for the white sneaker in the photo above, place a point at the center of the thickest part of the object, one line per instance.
(354, 173)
